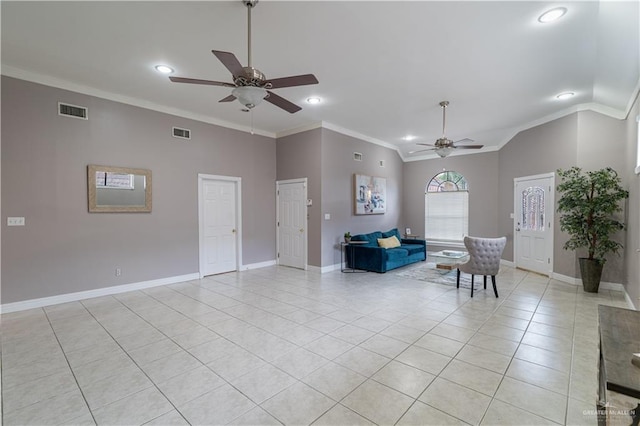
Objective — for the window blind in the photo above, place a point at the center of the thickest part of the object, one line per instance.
(446, 215)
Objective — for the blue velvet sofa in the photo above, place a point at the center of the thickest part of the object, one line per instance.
(371, 257)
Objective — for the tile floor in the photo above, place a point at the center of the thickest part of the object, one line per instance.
(283, 346)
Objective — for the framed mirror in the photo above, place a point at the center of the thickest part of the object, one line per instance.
(118, 189)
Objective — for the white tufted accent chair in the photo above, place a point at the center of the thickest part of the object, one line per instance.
(484, 259)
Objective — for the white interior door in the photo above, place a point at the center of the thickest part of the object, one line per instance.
(533, 230)
(219, 232)
(292, 223)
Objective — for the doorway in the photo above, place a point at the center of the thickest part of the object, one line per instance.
(291, 225)
(534, 201)
(219, 214)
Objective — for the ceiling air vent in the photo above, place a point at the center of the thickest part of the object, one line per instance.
(74, 111)
(357, 156)
(181, 133)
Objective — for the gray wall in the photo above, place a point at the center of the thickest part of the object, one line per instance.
(481, 172)
(63, 248)
(338, 168)
(601, 142)
(632, 241)
(538, 150)
(298, 157)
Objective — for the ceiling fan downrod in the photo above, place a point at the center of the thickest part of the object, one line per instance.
(444, 105)
(250, 5)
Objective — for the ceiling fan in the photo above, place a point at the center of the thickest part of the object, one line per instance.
(444, 146)
(250, 85)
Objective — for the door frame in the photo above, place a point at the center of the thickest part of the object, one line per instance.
(305, 249)
(550, 216)
(202, 177)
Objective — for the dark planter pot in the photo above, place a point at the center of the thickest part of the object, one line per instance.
(591, 272)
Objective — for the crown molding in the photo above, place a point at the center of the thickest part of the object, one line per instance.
(21, 74)
(353, 134)
(300, 129)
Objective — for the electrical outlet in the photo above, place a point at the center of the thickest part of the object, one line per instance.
(118, 272)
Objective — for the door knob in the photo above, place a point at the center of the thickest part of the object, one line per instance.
(301, 230)
(517, 229)
(233, 231)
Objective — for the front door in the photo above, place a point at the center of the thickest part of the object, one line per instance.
(292, 223)
(533, 231)
(218, 225)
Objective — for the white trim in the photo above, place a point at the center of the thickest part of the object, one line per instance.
(300, 129)
(258, 265)
(88, 294)
(325, 269)
(629, 301)
(565, 278)
(304, 213)
(238, 183)
(353, 134)
(549, 216)
(632, 99)
(540, 176)
(91, 91)
(507, 263)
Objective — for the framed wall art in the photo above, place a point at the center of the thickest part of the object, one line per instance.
(370, 193)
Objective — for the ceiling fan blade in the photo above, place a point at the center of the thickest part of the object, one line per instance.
(296, 80)
(421, 150)
(465, 140)
(425, 144)
(229, 98)
(282, 102)
(197, 81)
(230, 61)
(468, 146)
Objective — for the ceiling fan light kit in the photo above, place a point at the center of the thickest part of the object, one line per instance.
(249, 96)
(250, 84)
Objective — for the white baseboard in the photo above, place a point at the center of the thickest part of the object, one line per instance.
(258, 265)
(565, 279)
(105, 291)
(629, 301)
(507, 263)
(330, 268)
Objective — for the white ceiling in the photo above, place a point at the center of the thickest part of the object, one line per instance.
(382, 66)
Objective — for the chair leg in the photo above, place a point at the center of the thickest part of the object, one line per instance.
(472, 276)
(495, 289)
(485, 281)
(458, 280)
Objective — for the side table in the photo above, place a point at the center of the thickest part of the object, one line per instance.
(349, 246)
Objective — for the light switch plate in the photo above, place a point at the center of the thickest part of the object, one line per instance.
(327, 216)
(15, 221)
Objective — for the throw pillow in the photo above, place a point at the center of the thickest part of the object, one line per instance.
(388, 243)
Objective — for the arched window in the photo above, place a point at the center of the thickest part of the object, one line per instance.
(446, 207)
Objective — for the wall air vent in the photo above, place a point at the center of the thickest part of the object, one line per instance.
(357, 156)
(181, 133)
(74, 111)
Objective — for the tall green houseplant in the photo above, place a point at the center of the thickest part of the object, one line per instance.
(588, 204)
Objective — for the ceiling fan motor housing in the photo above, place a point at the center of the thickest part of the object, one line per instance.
(253, 77)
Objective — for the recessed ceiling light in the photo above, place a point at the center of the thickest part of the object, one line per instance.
(164, 69)
(552, 15)
(314, 100)
(564, 95)
(408, 138)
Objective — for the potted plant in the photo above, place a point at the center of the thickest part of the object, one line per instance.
(347, 237)
(588, 204)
